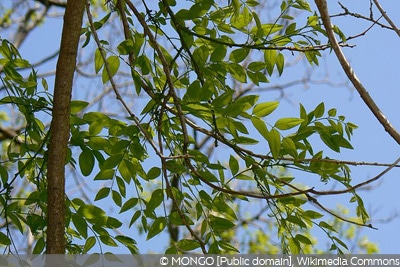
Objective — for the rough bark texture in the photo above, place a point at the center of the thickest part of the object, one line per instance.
(59, 131)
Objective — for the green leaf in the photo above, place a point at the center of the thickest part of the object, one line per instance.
(4, 240)
(126, 240)
(280, 63)
(113, 66)
(126, 47)
(287, 123)
(340, 242)
(228, 247)
(98, 60)
(129, 204)
(238, 72)
(233, 165)
(201, 55)
(111, 162)
(153, 173)
(96, 127)
(260, 126)
(78, 105)
(239, 55)
(270, 56)
(107, 174)
(175, 166)
(274, 142)
(80, 225)
(294, 246)
(91, 212)
(156, 199)
(127, 169)
(112, 223)
(107, 240)
(3, 174)
(332, 112)
(116, 197)
(219, 53)
(188, 244)
(121, 186)
(329, 140)
(90, 242)
(327, 226)
(319, 110)
(220, 224)
(103, 193)
(134, 218)
(312, 214)
(264, 109)
(158, 225)
(39, 247)
(303, 239)
(296, 220)
(86, 162)
(289, 146)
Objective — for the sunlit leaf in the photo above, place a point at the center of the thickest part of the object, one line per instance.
(264, 109)
(287, 123)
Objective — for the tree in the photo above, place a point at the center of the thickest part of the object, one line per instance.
(181, 141)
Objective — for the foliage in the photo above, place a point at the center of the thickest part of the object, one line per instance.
(154, 163)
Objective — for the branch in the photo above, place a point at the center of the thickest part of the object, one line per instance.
(383, 12)
(8, 133)
(355, 187)
(60, 128)
(263, 46)
(49, 3)
(323, 9)
(26, 26)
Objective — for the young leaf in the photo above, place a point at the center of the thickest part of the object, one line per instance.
(287, 123)
(319, 110)
(264, 109)
(274, 141)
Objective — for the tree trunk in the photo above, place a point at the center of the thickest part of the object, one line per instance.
(60, 128)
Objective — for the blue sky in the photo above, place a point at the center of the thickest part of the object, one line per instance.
(374, 59)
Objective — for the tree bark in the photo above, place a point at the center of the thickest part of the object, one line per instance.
(60, 128)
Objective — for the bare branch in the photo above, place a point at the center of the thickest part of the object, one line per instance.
(383, 12)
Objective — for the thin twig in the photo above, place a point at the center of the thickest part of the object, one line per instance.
(383, 12)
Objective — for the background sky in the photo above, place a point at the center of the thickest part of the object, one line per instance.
(375, 60)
